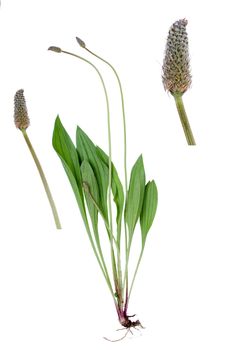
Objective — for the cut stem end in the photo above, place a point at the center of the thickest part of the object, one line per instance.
(184, 119)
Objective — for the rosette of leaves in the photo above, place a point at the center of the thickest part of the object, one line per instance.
(86, 166)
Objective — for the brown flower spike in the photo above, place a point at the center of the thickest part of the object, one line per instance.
(176, 65)
(21, 117)
(22, 122)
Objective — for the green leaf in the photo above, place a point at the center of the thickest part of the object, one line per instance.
(117, 188)
(135, 195)
(87, 151)
(149, 209)
(66, 151)
(65, 148)
(91, 192)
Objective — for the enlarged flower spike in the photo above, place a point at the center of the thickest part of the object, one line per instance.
(21, 117)
(176, 71)
(22, 122)
(176, 65)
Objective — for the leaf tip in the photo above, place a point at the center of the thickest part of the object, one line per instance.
(140, 159)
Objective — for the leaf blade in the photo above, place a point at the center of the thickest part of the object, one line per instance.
(117, 188)
(135, 195)
(91, 192)
(64, 146)
(66, 151)
(87, 151)
(149, 208)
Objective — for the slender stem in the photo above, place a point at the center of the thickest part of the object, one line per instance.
(123, 113)
(110, 161)
(107, 277)
(184, 119)
(126, 274)
(100, 259)
(126, 281)
(135, 273)
(109, 191)
(101, 264)
(43, 178)
(125, 160)
(86, 188)
(127, 258)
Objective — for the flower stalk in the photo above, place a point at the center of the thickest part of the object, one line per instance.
(110, 227)
(121, 285)
(22, 122)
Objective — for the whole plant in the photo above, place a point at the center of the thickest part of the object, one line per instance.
(97, 187)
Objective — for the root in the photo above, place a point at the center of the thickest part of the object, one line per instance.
(119, 339)
(127, 326)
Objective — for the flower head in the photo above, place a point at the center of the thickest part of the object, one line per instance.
(21, 117)
(176, 65)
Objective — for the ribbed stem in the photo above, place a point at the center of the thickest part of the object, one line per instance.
(184, 119)
(43, 178)
(125, 165)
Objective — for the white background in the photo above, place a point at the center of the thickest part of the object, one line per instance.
(52, 294)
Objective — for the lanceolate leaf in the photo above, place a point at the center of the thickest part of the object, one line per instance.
(87, 151)
(135, 195)
(91, 192)
(149, 209)
(66, 151)
(117, 188)
(65, 148)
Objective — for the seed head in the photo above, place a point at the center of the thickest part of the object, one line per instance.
(176, 65)
(21, 118)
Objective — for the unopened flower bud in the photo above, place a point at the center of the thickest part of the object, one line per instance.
(55, 49)
(81, 42)
(21, 117)
(176, 65)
